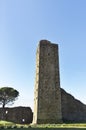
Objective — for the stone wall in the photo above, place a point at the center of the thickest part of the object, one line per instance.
(47, 101)
(21, 115)
(52, 104)
(72, 109)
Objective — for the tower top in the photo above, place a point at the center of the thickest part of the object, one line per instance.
(44, 42)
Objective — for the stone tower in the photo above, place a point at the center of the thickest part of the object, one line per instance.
(47, 99)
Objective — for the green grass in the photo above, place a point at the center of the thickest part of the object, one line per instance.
(6, 124)
(13, 126)
(45, 129)
(81, 125)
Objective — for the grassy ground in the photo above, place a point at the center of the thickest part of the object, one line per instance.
(13, 126)
(78, 125)
(43, 128)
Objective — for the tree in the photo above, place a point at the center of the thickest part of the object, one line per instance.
(7, 96)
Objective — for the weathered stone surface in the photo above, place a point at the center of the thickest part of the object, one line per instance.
(17, 114)
(52, 104)
(72, 109)
(47, 101)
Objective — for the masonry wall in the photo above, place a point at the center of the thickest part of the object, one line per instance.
(21, 115)
(72, 109)
(47, 101)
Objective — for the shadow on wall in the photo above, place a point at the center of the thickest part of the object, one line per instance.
(22, 115)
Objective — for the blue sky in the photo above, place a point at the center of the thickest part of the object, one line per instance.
(23, 23)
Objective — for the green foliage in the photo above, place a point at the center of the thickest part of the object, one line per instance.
(8, 95)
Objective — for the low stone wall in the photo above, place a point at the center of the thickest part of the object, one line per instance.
(72, 109)
(22, 115)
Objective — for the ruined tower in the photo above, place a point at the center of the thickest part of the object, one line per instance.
(47, 99)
